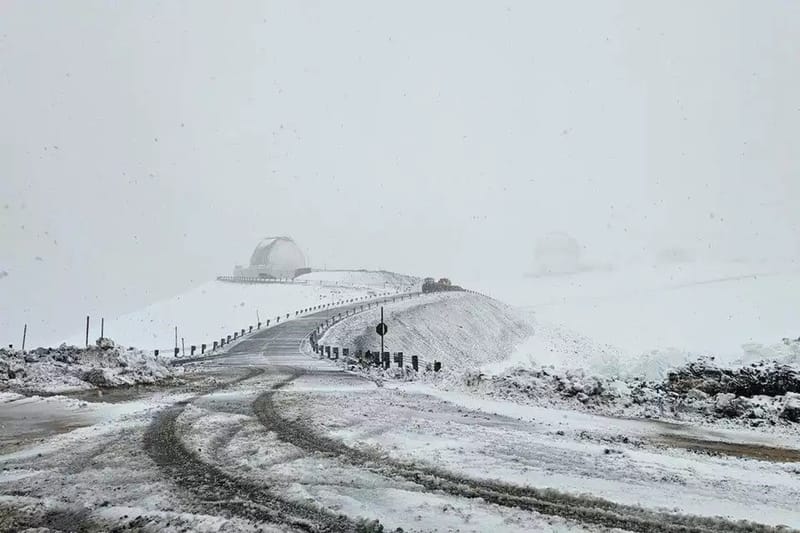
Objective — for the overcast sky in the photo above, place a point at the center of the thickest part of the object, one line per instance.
(147, 146)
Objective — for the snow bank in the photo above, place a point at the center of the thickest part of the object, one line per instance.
(69, 368)
(459, 329)
(760, 394)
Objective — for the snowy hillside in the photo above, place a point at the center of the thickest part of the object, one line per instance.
(216, 309)
(462, 330)
(362, 278)
(644, 319)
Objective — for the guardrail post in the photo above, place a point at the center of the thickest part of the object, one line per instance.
(251, 329)
(202, 348)
(415, 362)
(192, 349)
(242, 333)
(156, 353)
(277, 319)
(228, 339)
(259, 326)
(177, 351)
(235, 335)
(215, 346)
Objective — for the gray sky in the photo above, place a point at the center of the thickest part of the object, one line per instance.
(147, 146)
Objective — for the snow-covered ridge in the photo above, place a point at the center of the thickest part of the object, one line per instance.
(362, 278)
(459, 329)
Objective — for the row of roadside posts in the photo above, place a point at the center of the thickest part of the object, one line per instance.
(382, 358)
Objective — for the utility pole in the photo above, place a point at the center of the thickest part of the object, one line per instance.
(176, 337)
(87, 331)
(102, 328)
(382, 334)
(24, 335)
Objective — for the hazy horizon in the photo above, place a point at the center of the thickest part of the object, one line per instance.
(149, 146)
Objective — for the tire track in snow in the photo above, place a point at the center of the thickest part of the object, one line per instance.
(582, 509)
(222, 491)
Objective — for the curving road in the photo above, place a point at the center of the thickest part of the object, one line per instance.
(276, 438)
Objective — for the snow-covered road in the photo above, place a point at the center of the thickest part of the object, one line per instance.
(275, 438)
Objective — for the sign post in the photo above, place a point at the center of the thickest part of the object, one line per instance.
(381, 329)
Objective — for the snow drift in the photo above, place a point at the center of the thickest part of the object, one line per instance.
(69, 368)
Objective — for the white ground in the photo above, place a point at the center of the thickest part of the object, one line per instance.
(362, 278)
(645, 318)
(578, 319)
(216, 309)
(459, 329)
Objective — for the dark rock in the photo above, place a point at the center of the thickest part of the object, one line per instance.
(97, 377)
(791, 411)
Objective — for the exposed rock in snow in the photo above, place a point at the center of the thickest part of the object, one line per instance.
(753, 395)
(50, 370)
(763, 378)
(791, 410)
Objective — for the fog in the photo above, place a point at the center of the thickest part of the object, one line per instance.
(147, 146)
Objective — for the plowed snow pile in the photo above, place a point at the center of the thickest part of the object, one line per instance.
(69, 368)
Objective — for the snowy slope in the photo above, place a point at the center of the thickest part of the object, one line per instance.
(216, 309)
(362, 278)
(644, 319)
(462, 330)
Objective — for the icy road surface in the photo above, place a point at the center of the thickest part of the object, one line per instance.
(275, 439)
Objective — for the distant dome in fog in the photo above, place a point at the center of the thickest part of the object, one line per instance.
(274, 257)
(557, 253)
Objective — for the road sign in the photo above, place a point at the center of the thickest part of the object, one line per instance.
(381, 329)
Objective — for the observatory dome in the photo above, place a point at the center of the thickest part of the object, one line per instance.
(557, 253)
(274, 257)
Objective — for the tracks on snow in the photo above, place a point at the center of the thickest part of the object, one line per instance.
(582, 509)
(223, 492)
